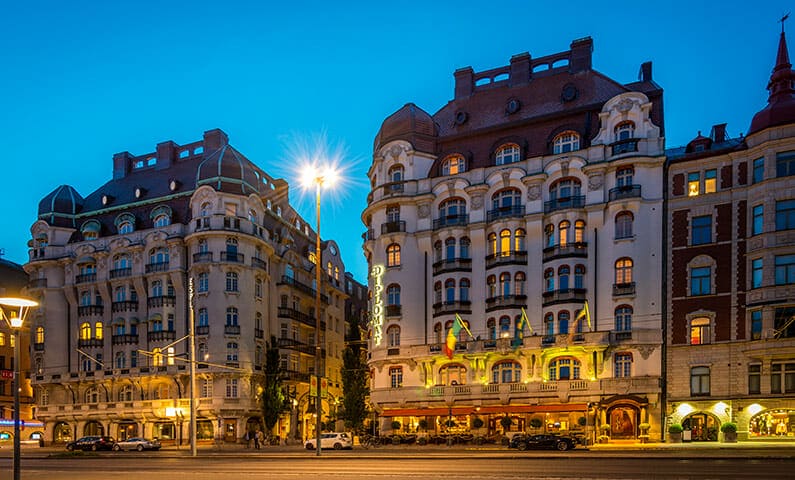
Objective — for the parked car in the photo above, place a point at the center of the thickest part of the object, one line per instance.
(93, 442)
(542, 441)
(337, 441)
(137, 443)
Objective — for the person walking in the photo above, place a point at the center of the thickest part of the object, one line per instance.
(258, 437)
(247, 438)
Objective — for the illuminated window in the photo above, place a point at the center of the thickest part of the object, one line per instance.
(579, 231)
(157, 357)
(563, 232)
(393, 255)
(519, 237)
(566, 142)
(711, 181)
(454, 374)
(505, 243)
(39, 334)
(98, 330)
(507, 154)
(693, 181)
(564, 369)
(700, 331)
(85, 331)
(506, 372)
(453, 165)
(623, 271)
(492, 244)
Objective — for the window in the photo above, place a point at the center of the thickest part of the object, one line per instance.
(505, 327)
(231, 388)
(566, 142)
(565, 189)
(549, 280)
(449, 249)
(393, 255)
(564, 369)
(700, 281)
(505, 243)
(506, 199)
(505, 284)
(785, 269)
(700, 331)
(437, 333)
(158, 255)
(507, 154)
(563, 277)
(754, 378)
(463, 247)
(549, 324)
(258, 288)
(231, 282)
(491, 329)
(452, 208)
(453, 165)
(785, 215)
(204, 318)
(519, 237)
(393, 213)
(393, 295)
(563, 232)
(437, 292)
(549, 235)
(699, 381)
(759, 170)
(92, 395)
(207, 388)
(623, 314)
(120, 360)
(625, 131)
(579, 231)
(756, 324)
(133, 359)
(231, 316)
(231, 352)
(785, 164)
(782, 378)
(624, 177)
(756, 273)
(396, 377)
(453, 375)
(396, 174)
(701, 230)
(579, 276)
(393, 336)
(623, 271)
(506, 372)
(758, 220)
(463, 290)
(563, 322)
(121, 261)
(711, 181)
(157, 288)
(437, 251)
(85, 331)
(693, 181)
(449, 290)
(518, 283)
(162, 220)
(623, 365)
(39, 334)
(98, 330)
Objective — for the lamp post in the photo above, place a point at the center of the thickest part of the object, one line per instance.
(14, 311)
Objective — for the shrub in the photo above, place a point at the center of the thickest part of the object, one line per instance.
(396, 425)
(582, 421)
(536, 422)
(675, 428)
(450, 423)
(506, 422)
(728, 427)
(605, 427)
(644, 427)
(422, 424)
(477, 422)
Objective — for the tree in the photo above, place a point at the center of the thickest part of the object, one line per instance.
(354, 380)
(273, 404)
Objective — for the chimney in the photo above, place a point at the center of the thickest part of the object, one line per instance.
(166, 154)
(214, 139)
(464, 82)
(122, 162)
(645, 72)
(718, 133)
(580, 57)
(520, 69)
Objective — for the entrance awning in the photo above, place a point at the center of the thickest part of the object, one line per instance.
(504, 409)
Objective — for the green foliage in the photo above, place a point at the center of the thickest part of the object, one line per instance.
(354, 380)
(273, 402)
(675, 428)
(450, 423)
(605, 427)
(582, 421)
(644, 427)
(396, 425)
(422, 424)
(536, 422)
(506, 422)
(728, 427)
(477, 422)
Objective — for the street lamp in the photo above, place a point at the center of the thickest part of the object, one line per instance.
(14, 310)
(319, 177)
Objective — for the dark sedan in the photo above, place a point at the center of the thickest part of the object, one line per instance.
(542, 441)
(93, 443)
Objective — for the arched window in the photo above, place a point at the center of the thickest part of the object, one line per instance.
(158, 255)
(505, 326)
(625, 130)
(492, 244)
(700, 333)
(564, 369)
(453, 374)
(563, 322)
(549, 280)
(449, 290)
(393, 336)
(393, 294)
(549, 235)
(156, 288)
(393, 255)
(491, 286)
(449, 249)
(396, 173)
(624, 225)
(162, 220)
(505, 284)
(437, 292)
(623, 271)
(463, 247)
(98, 330)
(437, 333)
(157, 357)
(231, 316)
(491, 329)
(121, 262)
(120, 293)
(252, 216)
(506, 199)
(519, 237)
(125, 393)
(85, 331)
(453, 165)
(623, 316)
(92, 395)
(563, 277)
(452, 208)
(437, 251)
(567, 141)
(519, 281)
(125, 227)
(40, 334)
(330, 269)
(563, 190)
(206, 209)
(507, 154)
(120, 360)
(463, 290)
(506, 372)
(579, 276)
(505, 243)
(549, 324)
(579, 231)
(563, 232)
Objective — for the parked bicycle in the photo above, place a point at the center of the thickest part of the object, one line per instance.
(368, 441)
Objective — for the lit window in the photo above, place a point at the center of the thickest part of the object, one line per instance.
(453, 165)
(393, 255)
(507, 154)
(579, 231)
(39, 334)
(85, 331)
(98, 327)
(623, 271)
(564, 369)
(563, 232)
(506, 372)
(700, 331)
(519, 240)
(566, 142)
(711, 181)
(693, 181)
(452, 375)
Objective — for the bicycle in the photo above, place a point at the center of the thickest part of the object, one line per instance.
(368, 441)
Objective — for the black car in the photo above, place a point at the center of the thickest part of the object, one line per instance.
(542, 441)
(93, 442)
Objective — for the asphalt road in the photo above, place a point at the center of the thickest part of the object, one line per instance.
(338, 467)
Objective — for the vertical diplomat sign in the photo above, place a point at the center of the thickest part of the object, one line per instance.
(377, 312)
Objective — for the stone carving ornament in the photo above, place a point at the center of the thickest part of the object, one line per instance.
(533, 192)
(424, 210)
(625, 105)
(595, 180)
(477, 202)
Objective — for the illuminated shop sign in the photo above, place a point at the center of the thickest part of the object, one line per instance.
(377, 313)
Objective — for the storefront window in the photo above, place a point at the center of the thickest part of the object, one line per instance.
(164, 431)
(773, 423)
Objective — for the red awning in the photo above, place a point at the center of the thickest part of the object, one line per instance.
(442, 411)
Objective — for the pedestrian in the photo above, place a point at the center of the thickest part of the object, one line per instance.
(258, 437)
(248, 439)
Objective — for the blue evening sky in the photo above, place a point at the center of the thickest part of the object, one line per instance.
(83, 80)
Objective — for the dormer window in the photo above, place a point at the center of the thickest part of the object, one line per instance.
(507, 154)
(125, 223)
(161, 216)
(566, 142)
(90, 230)
(453, 165)
(396, 174)
(625, 131)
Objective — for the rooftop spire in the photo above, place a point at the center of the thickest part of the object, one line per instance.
(780, 107)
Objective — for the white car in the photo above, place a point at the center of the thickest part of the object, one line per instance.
(337, 441)
(137, 443)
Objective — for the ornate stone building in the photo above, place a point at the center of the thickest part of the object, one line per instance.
(537, 187)
(731, 274)
(112, 269)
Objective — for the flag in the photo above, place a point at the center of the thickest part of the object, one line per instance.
(452, 335)
(583, 313)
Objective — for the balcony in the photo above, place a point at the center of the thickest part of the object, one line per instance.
(368, 235)
(301, 287)
(627, 191)
(259, 263)
(451, 221)
(38, 283)
(156, 267)
(290, 344)
(202, 330)
(442, 308)
(231, 329)
(161, 335)
(624, 289)
(124, 306)
(259, 333)
(393, 188)
(624, 146)
(86, 277)
(120, 272)
(231, 257)
(505, 212)
(232, 223)
(285, 312)
(565, 295)
(392, 227)
(296, 376)
(452, 265)
(575, 201)
(506, 258)
(393, 310)
(90, 343)
(89, 310)
(161, 301)
(125, 339)
(576, 249)
(38, 347)
(203, 257)
(620, 336)
(506, 301)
